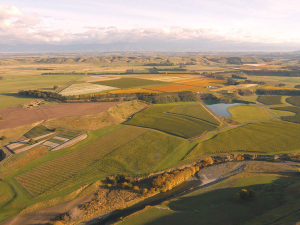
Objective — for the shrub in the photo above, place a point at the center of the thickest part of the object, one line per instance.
(75, 214)
(244, 194)
(55, 87)
(209, 161)
(109, 185)
(145, 190)
(252, 194)
(3, 137)
(55, 129)
(124, 185)
(136, 188)
(31, 141)
(237, 197)
(129, 185)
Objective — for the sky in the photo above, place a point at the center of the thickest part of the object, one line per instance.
(210, 23)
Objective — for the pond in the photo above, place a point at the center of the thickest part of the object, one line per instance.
(221, 108)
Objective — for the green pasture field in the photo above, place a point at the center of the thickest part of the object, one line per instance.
(294, 100)
(293, 118)
(247, 113)
(271, 99)
(259, 138)
(37, 131)
(196, 111)
(162, 118)
(129, 82)
(216, 205)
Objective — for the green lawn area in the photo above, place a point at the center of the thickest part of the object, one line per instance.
(216, 205)
(260, 138)
(129, 82)
(183, 125)
(247, 113)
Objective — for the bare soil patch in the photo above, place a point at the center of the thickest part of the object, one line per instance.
(17, 116)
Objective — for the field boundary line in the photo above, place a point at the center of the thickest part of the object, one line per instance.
(211, 112)
(205, 121)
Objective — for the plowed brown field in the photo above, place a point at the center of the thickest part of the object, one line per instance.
(17, 116)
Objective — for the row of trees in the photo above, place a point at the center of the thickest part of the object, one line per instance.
(281, 73)
(155, 98)
(167, 181)
(59, 73)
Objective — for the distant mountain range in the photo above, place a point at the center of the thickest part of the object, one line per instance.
(203, 46)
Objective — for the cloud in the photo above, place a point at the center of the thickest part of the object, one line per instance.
(17, 26)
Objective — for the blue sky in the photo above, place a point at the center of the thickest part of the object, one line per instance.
(114, 21)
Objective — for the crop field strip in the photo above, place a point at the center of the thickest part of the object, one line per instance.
(59, 169)
(69, 134)
(259, 137)
(181, 125)
(129, 82)
(294, 109)
(271, 99)
(37, 131)
(294, 100)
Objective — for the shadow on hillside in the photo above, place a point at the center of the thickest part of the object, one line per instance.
(219, 207)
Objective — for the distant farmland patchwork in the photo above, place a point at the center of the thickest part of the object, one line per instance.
(180, 120)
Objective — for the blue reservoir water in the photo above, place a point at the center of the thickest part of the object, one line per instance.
(221, 108)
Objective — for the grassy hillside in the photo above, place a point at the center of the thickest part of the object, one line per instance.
(260, 137)
(216, 205)
(197, 111)
(162, 118)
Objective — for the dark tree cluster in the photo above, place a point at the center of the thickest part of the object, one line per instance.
(281, 73)
(277, 92)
